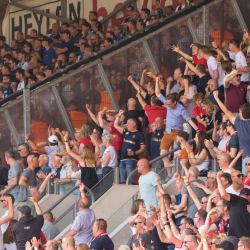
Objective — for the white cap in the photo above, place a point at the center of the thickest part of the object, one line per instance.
(53, 139)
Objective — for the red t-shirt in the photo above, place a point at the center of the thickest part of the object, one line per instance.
(197, 111)
(154, 111)
(235, 97)
(85, 142)
(246, 182)
(202, 60)
(117, 143)
(43, 240)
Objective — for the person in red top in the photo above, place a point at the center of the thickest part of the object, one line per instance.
(235, 92)
(199, 112)
(246, 180)
(154, 110)
(85, 133)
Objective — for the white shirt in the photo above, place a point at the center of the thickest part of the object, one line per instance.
(201, 228)
(240, 60)
(231, 55)
(51, 150)
(230, 190)
(222, 142)
(211, 64)
(20, 86)
(113, 157)
(203, 165)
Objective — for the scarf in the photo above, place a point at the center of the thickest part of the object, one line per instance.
(223, 224)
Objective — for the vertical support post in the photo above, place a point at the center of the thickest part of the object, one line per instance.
(56, 188)
(214, 164)
(150, 57)
(63, 111)
(64, 8)
(205, 21)
(238, 14)
(48, 187)
(75, 210)
(26, 110)
(193, 31)
(11, 126)
(177, 165)
(108, 87)
(116, 175)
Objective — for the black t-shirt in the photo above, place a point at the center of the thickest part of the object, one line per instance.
(131, 140)
(156, 142)
(74, 40)
(239, 217)
(217, 223)
(68, 45)
(134, 114)
(3, 176)
(202, 84)
(102, 242)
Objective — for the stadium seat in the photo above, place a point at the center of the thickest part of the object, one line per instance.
(105, 102)
(39, 131)
(77, 118)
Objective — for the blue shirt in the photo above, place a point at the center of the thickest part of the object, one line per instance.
(156, 143)
(57, 176)
(243, 128)
(212, 99)
(175, 116)
(46, 171)
(7, 91)
(48, 56)
(102, 242)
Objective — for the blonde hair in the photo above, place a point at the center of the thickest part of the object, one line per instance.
(85, 132)
(35, 53)
(210, 105)
(88, 154)
(110, 137)
(83, 246)
(123, 247)
(219, 238)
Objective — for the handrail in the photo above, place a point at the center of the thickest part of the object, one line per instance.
(66, 195)
(122, 43)
(164, 155)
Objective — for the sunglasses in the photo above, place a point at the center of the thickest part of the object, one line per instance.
(248, 164)
(19, 150)
(247, 56)
(135, 223)
(185, 242)
(239, 175)
(108, 121)
(210, 178)
(203, 202)
(239, 75)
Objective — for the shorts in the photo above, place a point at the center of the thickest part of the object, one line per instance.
(168, 139)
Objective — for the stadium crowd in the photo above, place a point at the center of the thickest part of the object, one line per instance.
(211, 92)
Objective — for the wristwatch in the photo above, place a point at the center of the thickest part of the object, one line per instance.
(204, 240)
(212, 147)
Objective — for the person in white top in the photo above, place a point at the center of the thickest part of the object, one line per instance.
(199, 219)
(23, 63)
(6, 201)
(214, 69)
(240, 60)
(237, 178)
(225, 47)
(20, 78)
(109, 158)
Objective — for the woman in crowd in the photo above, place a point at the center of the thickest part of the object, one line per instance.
(138, 208)
(246, 180)
(85, 133)
(83, 247)
(109, 158)
(202, 156)
(212, 112)
(8, 236)
(88, 160)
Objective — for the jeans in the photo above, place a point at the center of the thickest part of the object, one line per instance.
(126, 167)
(99, 177)
(244, 162)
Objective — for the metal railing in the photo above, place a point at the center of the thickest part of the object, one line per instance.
(177, 163)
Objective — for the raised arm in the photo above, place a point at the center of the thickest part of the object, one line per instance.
(33, 145)
(70, 152)
(219, 51)
(93, 117)
(210, 228)
(136, 86)
(102, 124)
(177, 49)
(222, 190)
(215, 136)
(203, 187)
(117, 120)
(43, 185)
(233, 162)
(189, 64)
(38, 209)
(228, 113)
(10, 215)
(141, 101)
(159, 186)
(157, 89)
(97, 148)
(195, 161)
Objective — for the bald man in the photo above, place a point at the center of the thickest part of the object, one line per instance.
(149, 184)
(190, 242)
(186, 199)
(68, 243)
(28, 177)
(133, 113)
(81, 229)
(212, 85)
(51, 245)
(49, 229)
(158, 132)
(224, 162)
(237, 178)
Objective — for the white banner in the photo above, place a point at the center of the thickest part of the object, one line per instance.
(17, 19)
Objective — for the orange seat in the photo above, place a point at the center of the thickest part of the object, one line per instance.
(105, 102)
(78, 119)
(39, 131)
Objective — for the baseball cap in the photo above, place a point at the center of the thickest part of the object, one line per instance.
(63, 152)
(226, 245)
(148, 240)
(233, 240)
(48, 68)
(53, 139)
(245, 191)
(24, 210)
(65, 32)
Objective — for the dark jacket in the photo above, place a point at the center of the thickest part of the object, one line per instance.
(102, 242)
(27, 228)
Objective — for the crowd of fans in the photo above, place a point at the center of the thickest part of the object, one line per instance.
(210, 90)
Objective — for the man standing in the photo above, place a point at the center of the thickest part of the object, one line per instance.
(49, 52)
(157, 135)
(199, 219)
(22, 59)
(237, 179)
(182, 139)
(14, 175)
(23, 150)
(221, 136)
(28, 177)
(101, 240)
(82, 226)
(67, 46)
(190, 242)
(68, 243)
(20, 78)
(240, 60)
(239, 216)
(27, 227)
(133, 145)
(49, 230)
(3, 175)
(174, 122)
(156, 5)
(43, 162)
(149, 183)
